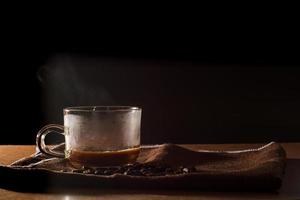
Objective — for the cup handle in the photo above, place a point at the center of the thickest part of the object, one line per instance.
(40, 139)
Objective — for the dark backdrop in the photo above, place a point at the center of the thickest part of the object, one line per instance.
(193, 88)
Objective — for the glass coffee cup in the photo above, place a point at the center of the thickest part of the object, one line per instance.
(97, 135)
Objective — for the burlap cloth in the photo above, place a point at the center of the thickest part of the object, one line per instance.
(251, 170)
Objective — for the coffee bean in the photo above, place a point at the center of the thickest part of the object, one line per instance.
(108, 172)
(144, 170)
(169, 170)
(97, 172)
(120, 170)
(185, 170)
(127, 166)
(88, 171)
(77, 170)
(115, 169)
(134, 172)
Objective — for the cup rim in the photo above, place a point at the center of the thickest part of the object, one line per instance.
(101, 108)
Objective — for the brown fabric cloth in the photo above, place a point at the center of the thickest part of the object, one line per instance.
(251, 170)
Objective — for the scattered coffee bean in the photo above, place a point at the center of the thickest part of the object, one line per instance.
(97, 172)
(185, 170)
(115, 169)
(145, 170)
(137, 169)
(88, 171)
(77, 170)
(108, 172)
(120, 170)
(169, 171)
(135, 173)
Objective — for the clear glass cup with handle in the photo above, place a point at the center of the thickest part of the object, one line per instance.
(97, 135)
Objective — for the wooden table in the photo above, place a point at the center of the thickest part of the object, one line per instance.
(289, 190)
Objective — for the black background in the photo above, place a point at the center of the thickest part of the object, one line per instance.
(197, 83)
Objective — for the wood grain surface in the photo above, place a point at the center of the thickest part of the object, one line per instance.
(289, 190)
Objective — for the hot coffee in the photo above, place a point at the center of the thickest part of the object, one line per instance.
(103, 158)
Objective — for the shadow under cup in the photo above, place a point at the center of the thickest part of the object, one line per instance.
(99, 135)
